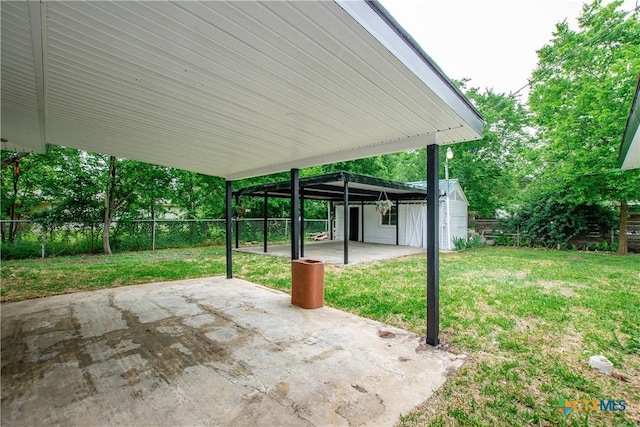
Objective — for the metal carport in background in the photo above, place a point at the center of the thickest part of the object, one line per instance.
(340, 187)
(230, 89)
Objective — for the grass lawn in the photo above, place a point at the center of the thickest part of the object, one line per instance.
(527, 319)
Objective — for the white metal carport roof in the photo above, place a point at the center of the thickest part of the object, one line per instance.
(231, 89)
(629, 153)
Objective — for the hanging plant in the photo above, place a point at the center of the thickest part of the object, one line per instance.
(383, 205)
(240, 211)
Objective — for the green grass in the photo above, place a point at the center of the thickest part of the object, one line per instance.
(527, 319)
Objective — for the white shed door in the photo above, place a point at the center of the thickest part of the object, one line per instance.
(414, 224)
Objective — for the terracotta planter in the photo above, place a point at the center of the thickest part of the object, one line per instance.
(307, 283)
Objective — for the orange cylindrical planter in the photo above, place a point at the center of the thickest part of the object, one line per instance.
(307, 283)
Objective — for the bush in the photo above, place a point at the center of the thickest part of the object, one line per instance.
(550, 221)
(460, 243)
(21, 249)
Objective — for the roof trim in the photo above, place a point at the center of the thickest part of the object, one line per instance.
(629, 153)
(406, 52)
(380, 9)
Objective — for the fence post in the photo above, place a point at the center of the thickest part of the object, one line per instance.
(612, 237)
(43, 239)
(153, 234)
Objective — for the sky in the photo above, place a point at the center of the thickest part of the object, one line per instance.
(492, 42)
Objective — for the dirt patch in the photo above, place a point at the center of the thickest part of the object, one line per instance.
(556, 287)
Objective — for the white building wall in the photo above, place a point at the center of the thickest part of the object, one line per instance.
(458, 221)
(374, 231)
(412, 223)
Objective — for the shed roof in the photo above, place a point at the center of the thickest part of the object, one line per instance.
(453, 183)
(231, 89)
(629, 154)
(330, 187)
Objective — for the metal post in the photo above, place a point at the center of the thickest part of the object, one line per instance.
(43, 240)
(153, 234)
(433, 260)
(345, 198)
(295, 215)
(331, 209)
(446, 179)
(229, 218)
(397, 221)
(362, 221)
(237, 223)
(265, 224)
(302, 222)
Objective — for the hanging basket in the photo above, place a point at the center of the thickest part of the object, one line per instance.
(383, 205)
(240, 211)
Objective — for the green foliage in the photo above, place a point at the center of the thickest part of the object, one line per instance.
(197, 195)
(580, 98)
(460, 243)
(551, 221)
(492, 170)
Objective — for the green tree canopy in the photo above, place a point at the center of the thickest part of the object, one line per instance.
(580, 97)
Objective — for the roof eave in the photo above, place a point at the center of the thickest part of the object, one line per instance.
(629, 154)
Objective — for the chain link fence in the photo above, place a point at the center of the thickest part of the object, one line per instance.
(31, 239)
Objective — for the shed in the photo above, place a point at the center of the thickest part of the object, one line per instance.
(406, 223)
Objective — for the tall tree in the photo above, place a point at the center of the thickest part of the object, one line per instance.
(21, 181)
(491, 170)
(134, 190)
(580, 97)
(109, 203)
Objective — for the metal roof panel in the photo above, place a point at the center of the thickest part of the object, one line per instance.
(233, 89)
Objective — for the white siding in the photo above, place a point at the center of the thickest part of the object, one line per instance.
(412, 223)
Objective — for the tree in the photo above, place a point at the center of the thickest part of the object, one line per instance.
(492, 171)
(11, 200)
(198, 195)
(109, 203)
(580, 97)
(133, 190)
(22, 180)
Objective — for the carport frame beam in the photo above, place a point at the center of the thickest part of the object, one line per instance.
(433, 256)
(346, 222)
(229, 217)
(295, 214)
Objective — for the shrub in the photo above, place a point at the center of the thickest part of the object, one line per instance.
(460, 243)
(550, 221)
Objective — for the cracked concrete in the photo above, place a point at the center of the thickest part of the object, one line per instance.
(207, 351)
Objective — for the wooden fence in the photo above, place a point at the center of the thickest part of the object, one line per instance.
(494, 229)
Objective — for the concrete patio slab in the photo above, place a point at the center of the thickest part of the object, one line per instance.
(207, 351)
(331, 251)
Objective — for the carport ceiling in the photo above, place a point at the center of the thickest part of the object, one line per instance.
(232, 89)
